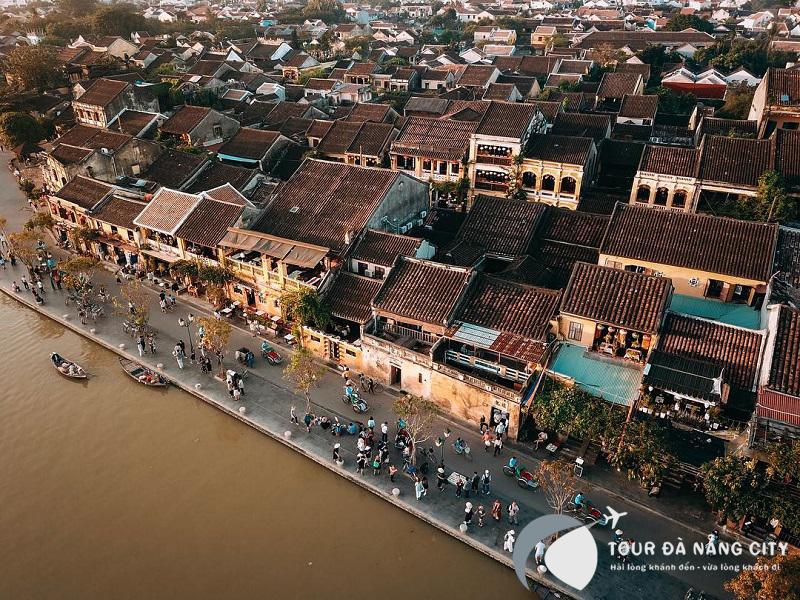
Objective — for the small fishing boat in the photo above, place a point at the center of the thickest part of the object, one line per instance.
(66, 367)
(142, 374)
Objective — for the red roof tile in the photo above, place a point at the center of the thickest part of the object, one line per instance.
(784, 373)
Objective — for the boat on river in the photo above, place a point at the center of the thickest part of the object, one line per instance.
(142, 374)
(66, 367)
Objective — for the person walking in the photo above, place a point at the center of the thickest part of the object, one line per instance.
(140, 345)
(468, 512)
(513, 511)
(483, 426)
(486, 482)
(371, 385)
(25, 283)
(539, 552)
(182, 344)
(392, 473)
(487, 440)
(419, 489)
(508, 541)
(371, 423)
(500, 429)
(497, 510)
(163, 305)
(40, 286)
(441, 479)
(376, 465)
(293, 417)
(475, 483)
(177, 352)
(384, 432)
(498, 445)
(151, 341)
(459, 487)
(308, 419)
(237, 394)
(424, 486)
(337, 457)
(361, 462)
(481, 513)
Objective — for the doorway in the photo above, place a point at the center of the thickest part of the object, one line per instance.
(396, 376)
(251, 296)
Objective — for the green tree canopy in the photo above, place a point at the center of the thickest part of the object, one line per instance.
(77, 8)
(18, 127)
(330, 11)
(673, 103)
(117, 19)
(734, 486)
(681, 22)
(33, 68)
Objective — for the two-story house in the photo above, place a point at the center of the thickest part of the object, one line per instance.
(356, 143)
(104, 99)
(555, 169)
(255, 149)
(776, 103)
(199, 126)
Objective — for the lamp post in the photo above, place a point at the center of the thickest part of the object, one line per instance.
(440, 443)
(182, 323)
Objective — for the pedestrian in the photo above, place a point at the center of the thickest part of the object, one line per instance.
(163, 304)
(487, 440)
(459, 487)
(3, 262)
(424, 486)
(481, 513)
(497, 510)
(177, 352)
(513, 511)
(172, 301)
(293, 417)
(240, 385)
(371, 423)
(392, 472)
(475, 484)
(483, 426)
(192, 356)
(182, 344)
(419, 489)
(539, 552)
(362, 382)
(40, 285)
(12, 258)
(468, 512)
(498, 445)
(25, 283)
(508, 541)
(131, 308)
(371, 385)
(337, 457)
(384, 432)
(500, 429)
(486, 482)
(151, 341)
(237, 394)
(361, 443)
(441, 479)
(140, 345)
(308, 419)
(14, 287)
(376, 465)
(253, 327)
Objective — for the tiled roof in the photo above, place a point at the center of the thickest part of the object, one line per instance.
(639, 107)
(638, 40)
(736, 350)
(369, 112)
(319, 128)
(249, 143)
(738, 161)
(781, 83)
(208, 223)
(350, 297)
(681, 375)
(580, 124)
(173, 168)
(717, 126)
(617, 85)
(83, 136)
(787, 256)
(84, 192)
(120, 211)
(339, 137)
(167, 210)
(476, 75)
(133, 122)
(502, 226)
(499, 91)
(434, 138)
(284, 111)
(537, 65)
(102, 92)
(694, 241)
(381, 248)
(617, 297)
(778, 407)
(642, 69)
(363, 68)
(507, 119)
(69, 155)
(549, 109)
(572, 227)
(560, 148)
(226, 193)
(323, 201)
(787, 157)
(219, 173)
(784, 373)
(670, 160)
(430, 106)
(185, 120)
(422, 291)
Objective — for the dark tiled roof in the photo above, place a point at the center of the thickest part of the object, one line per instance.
(737, 161)
(369, 112)
(249, 143)
(617, 85)
(617, 297)
(784, 373)
(695, 241)
(133, 122)
(319, 128)
(102, 92)
(422, 291)
(670, 160)
(476, 75)
(502, 226)
(641, 69)
(208, 223)
(579, 124)
(499, 91)
(219, 173)
(284, 111)
(787, 255)
(323, 201)
(639, 107)
(173, 168)
(84, 192)
(434, 138)
(682, 375)
(638, 40)
(787, 158)
(560, 148)
(549, 109)
(507, 119)
(185, 119)
(717, 126)
(736, 350)
(256, 112)
(783, 82)
(83, 136)
(120, 211)
(537, 65)
(68, 155)
(350, 297)
(381, 248)
(572, 227)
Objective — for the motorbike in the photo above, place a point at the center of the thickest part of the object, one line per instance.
(462, 448)
(269, 353)
(525, 479)
(588, 513)
(358, 405)
(244, 356)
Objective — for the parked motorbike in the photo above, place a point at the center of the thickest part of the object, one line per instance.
(269, 353)
(525, 479)
(462, 448)
(355, 401)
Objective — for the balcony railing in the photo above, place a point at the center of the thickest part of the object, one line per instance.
(494, 187)
(421, 336)
(489, 159)
(483, 384)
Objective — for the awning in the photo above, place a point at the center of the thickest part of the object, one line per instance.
(165, 256)
(275, 249)
(242, 241)
(304, 258)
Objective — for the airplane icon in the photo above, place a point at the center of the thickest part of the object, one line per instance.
(614, 516)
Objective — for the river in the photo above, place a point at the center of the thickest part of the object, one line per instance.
(113, 491)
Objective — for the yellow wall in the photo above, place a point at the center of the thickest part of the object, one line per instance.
(587, 337)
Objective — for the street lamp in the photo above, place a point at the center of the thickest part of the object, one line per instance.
(440, 442)
(183, 323)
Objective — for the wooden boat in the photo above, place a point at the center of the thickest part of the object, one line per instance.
(66, 367)
(142, 374)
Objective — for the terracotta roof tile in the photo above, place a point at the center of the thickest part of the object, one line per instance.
(173, 168)
(350, 297)
(738, 161)
(787, 256)
(670, 160)
(84, 192)
(507, 119)
(120, 211)
(381, 248)
(208, 223)
(103, 91)
(559, 148)
(219, 173)
(696, 241)
(639, 107)
(167, 210)
(502, 226)
(618, 85)
(185, 119)
(572, 227)
(617, 297)
(782, 83)
(434, 138)
(583, 125)
(250, 143)
(784, 373)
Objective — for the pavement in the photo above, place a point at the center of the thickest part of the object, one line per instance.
(269, 396)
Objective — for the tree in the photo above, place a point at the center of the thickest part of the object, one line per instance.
(775, 578)
(117, 19)
(515, 191)
(559, 40)
(134, 303)
(77, 8)
(305, 307)
(734, 486)
(418, 414)
(556, 480)
(305, 373)
(39, 222)
(78, 273)
(784, 459)
(330, 11)
(606, 54)
(556, 407)
(772, 204)
(737, 103)
(641, 450)
(33, 68)
(18, 128)
(215, 336)
(681, 22)
(24, 245)
(673, 103)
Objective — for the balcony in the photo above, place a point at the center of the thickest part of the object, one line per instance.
(406, 342)
(489, 159)
(491, 186)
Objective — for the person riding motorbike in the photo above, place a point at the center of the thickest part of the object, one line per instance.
(578, 501)
(459, 445)
(513, 462)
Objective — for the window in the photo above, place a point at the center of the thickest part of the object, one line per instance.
(661, 196)
(136, 169)
(362, 268)
(548, 183)
(679, 199)
(419, 377)
(427, 165)
(714, 289)
(442, 168)
(455, 168)
(790, 125)
(741, 294)
(643, 194)
(575, 331)
(114, 229)
(130, 236)
(568, 185)
(316, 339)
(380, 272)
(217, 129)
(350, 352)
(528, 180)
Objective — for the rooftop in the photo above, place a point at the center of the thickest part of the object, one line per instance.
(502, 226)
(729, 313)
(167, 211)
(84, 192)
(382, 248)
(784, 373)
(350, 297)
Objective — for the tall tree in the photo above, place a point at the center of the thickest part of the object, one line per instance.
(305, 373)
(216, 334)
(77, 8)
(24, 245)
(418, 415)
(775, 578)
(557, 480)
(681, 22)
(117, 19)
(734, 486)
(134, 303)
(33, 68)
(18, 128)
